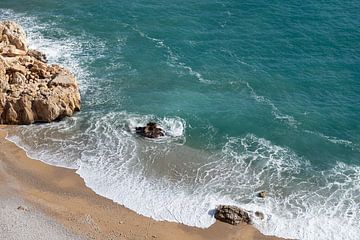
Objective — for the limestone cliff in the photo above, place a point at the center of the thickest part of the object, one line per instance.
(30, 89)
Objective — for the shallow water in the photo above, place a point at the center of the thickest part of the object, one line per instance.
(253, 96)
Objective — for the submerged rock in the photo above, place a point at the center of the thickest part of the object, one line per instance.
(151, 130)
(31, 90)
(232, 215)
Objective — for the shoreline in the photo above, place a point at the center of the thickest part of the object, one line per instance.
(61, 195)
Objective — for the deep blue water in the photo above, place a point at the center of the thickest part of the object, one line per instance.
(253, 96)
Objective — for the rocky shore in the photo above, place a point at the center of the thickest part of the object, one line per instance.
(30, 89)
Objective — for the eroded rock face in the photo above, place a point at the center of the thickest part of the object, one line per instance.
(31, 90)
(12, 35)
(232, 215)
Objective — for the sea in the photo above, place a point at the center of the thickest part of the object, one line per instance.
(253, 96)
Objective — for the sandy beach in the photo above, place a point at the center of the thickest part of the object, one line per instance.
(38, 200)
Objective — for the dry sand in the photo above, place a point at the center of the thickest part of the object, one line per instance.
(56, 204)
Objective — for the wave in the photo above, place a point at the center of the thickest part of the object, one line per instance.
(174, 61)
(176, 183)
(292, 122)
(304, 203)
(324, 206)
(173, 58)
(289, 120)
(117, 164)
(335, 140)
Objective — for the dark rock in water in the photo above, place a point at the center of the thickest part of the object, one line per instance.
(262, 194)
(151, 130)
(22, 208)
(232, 215)
(259, 215)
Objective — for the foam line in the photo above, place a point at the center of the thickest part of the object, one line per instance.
(335, 140)
(173, 58)
(289, 120)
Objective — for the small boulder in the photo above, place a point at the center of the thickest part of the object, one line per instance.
(259, 215)
(262, 194)
(151, 130)
(232, 215)
(22, 208)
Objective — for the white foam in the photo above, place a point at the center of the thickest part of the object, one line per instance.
(110, 162)
(174, 127)
(336, 140)
(289, 120)
(330, 211)
(45, 143)
(118, 165)
(305, 204)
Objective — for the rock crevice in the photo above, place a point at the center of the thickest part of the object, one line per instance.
(30, 89)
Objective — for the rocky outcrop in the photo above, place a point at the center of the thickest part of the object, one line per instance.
(30, 89)
(232, 215)
(151, 130)
(12, 36)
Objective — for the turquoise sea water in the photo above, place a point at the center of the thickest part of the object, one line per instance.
(253, 96)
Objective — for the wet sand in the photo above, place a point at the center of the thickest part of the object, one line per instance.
(57, 201)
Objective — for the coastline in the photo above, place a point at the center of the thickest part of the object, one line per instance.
(61, 195)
